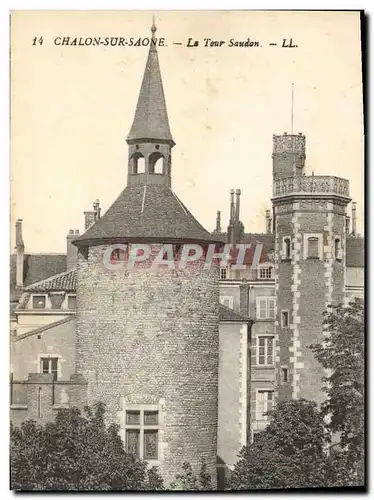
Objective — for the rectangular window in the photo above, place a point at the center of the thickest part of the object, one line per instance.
(38, 301)
(312, 248)
(265, 350)
(264, 403)
(287, 247)
(72, 302)
(223, 273)
(285, 319)
(265, 307)
(265, 273)
(49, 365)
(142, 433)
(284, 374)
(337, 249)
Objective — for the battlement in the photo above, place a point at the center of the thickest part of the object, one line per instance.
(311, 184)
(289, 143)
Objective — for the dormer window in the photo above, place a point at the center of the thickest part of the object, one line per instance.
(38, 301)
(72, 302)
(265, 272)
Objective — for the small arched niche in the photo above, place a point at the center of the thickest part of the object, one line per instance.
(137, 163)
(156, 163)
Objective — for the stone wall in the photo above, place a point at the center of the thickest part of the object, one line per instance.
(153, 335)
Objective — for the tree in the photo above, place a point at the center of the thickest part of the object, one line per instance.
(187, 480)
(341, 353)
(75, 452)
(289, 453)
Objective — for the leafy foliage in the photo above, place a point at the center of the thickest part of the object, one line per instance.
(187, 480)
(289, 453)
(75, 452)
(342, 354)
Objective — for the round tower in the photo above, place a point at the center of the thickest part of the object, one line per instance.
(147, 335)
(310, 243)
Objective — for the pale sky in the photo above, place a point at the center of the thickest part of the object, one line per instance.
(72, 108)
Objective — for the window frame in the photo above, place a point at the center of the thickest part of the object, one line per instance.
(265, 267)
(42, 295)
(42, 356)
(67, 301)
(268, 308)
(307, 237)
(263, 417)
(221, 271)
(286, 256)
(266, 350)
(338, 249)
(282, 318)
(142, 429)
(284, 369)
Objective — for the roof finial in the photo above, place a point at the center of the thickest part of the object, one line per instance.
(153, 27)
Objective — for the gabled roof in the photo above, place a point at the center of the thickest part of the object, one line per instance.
(147, 213)
(355, 254)
(151, 118)
(229, 315)
(66, 281)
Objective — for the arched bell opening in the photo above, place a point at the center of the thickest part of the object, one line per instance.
(137, 163)
(156, 163)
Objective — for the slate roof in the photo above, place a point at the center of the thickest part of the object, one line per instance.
(36, 267)
(148, 213)
(227, 314)
(151, 118)
(267, 240)
(66, 281)
(355, 253)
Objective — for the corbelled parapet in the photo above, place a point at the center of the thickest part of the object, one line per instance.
(311, 184)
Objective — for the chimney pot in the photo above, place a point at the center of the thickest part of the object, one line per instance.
(77, 231)
(71, 231)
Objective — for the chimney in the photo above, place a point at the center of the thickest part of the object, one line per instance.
(237, 208)
(268, 222)
(90, 217)
(97, 209)
(232, 207)
(218, 222)
(347, 224)
(353, 218)
(71, 250)
(20, 253)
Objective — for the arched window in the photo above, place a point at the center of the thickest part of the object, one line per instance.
(138, 163)
(313, 248)
(156, 163)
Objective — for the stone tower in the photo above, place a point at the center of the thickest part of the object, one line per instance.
(147, 338)
(310, 247)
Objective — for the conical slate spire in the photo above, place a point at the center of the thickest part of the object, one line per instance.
(151, 118)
